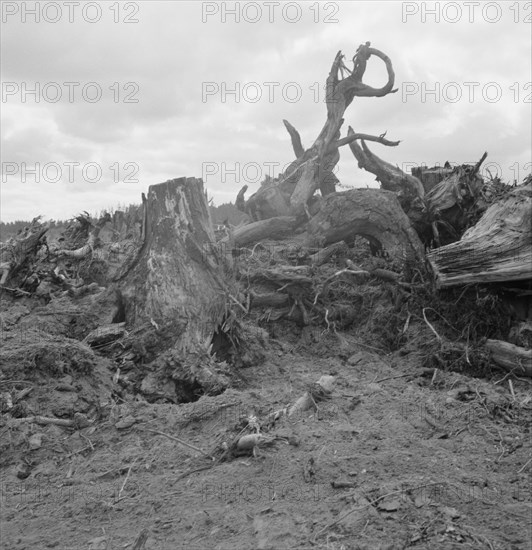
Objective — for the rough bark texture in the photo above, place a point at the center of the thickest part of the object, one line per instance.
(176, 275)
(391, 178)
(175, 285)
(460, 187)
(371, 213)
(271, 228)
(497, 249)
(512, 358)
(430, 177)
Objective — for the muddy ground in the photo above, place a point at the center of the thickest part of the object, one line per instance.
(401, 456)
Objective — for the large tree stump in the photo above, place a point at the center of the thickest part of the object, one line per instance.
(370, 213)
(497, 249)
(175, 288)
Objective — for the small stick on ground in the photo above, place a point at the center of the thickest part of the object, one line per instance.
(125, 481)
(526, 464)
(88, 440)
(392, 377)
(180, 441)
(512, 389)
(140, 543)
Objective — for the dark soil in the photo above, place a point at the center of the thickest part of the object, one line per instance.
(400, 457)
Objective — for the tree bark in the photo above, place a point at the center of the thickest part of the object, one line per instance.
(497, 249)
(512, 358)
(370, 213)
(271, 228)
(176, 284)
(460, 188)
(391, 178)
(430, 177)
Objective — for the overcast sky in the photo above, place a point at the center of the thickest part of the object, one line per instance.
(144, 97)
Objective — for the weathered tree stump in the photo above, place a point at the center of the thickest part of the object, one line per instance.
(176, 287)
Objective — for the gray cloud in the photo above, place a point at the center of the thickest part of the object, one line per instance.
(173, 131)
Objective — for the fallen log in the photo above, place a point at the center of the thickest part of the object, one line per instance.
(497, 249)
(511, 357)
(322, 256)
(269, 299)
(271, 228)
(79, 421)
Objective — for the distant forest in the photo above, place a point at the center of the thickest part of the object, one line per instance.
(225, 212)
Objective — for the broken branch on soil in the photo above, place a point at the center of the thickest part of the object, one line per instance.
(173, 438)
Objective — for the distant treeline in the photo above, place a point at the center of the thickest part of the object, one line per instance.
(220, 214)
(227, 212)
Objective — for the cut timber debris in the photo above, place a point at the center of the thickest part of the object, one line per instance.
(80, 421)
(512, 358)
(105, 335)
(497, 249)
(319, 391)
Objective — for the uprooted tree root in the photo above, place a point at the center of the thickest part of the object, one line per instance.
(388, 306)
(457, 323)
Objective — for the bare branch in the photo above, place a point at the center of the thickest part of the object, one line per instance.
(240, 202)
(391, 177)
(368, 137)
(296, 139)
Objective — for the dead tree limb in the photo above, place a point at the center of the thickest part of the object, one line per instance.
(314, 168)
(296, 139)
(391, 178)
(510, 357)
